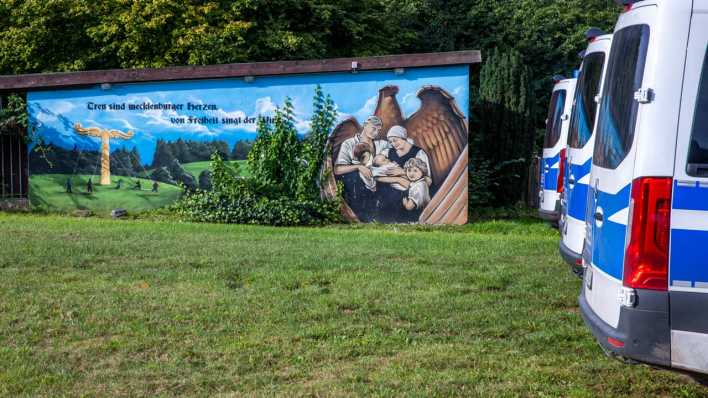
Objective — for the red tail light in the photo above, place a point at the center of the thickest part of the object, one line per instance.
(646, 264)
(561, 171)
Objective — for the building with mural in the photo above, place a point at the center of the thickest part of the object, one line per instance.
(136, 139)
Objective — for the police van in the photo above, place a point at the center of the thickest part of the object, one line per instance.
(580, 146)
(645, 289)
(553, 159)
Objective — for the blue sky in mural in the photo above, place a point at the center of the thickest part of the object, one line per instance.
(54, 113)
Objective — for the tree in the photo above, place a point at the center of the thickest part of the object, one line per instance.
(241, 149)
(205, 180)
(506, 135)
(274, 158)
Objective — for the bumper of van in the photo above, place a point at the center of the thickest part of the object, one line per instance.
(550, 215)
(575, 260)
(643, 333)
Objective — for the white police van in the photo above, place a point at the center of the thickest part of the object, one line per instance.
(645, 290)
(580, 146)
(553, 158)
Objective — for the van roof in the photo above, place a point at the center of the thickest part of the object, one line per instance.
(563, 82)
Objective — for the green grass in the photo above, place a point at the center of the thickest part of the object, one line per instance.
(195, 168)
(48, 192)
(95, 307)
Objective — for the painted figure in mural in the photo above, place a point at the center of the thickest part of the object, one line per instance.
(419, 165)
(138, 185)
(418, 183)
(155, 186)
(68, 185)
(119, 184)
(362, 153)
(353, 173)
(402, 149)
(89, 186)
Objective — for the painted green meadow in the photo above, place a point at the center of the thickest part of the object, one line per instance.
(96, 307)
(48, 193)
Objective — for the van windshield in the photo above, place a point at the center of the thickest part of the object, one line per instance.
(698, 150)
(554, 122)
(583, 119)
(618, 109)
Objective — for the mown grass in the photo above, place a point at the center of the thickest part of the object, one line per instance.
(96, 307)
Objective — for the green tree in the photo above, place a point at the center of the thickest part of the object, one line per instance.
(314, 145)
(505, 139)
(241, 149)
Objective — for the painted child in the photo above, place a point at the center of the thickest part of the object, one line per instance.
(362, 154)
(415, 181)
(418, 194)
(381, 170)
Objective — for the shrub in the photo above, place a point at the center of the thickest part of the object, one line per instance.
(283, 188)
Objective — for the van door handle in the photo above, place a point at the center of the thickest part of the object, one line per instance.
(571, 180)
(599, 216)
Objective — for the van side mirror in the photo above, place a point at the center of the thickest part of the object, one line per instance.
(565, 117)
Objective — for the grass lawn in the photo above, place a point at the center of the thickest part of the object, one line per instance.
(97, 307)
(48, 192)
(195, 168)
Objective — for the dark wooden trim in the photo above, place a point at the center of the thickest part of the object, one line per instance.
(42, 81)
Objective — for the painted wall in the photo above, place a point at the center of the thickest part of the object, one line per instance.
(131, 145)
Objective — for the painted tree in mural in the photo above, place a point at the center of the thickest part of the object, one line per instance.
(105, 136)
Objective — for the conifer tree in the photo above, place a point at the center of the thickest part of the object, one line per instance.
(506, 132)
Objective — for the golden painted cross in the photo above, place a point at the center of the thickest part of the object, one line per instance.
(105, 136)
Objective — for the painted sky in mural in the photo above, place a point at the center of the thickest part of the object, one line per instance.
(223, 109)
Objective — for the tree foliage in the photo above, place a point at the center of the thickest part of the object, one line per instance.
(69, 35)
(504, 144)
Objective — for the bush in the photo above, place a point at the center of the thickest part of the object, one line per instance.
(283, 188)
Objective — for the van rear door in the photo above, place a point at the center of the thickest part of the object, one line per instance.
(688, 267)
(612, 171)
(551, 148)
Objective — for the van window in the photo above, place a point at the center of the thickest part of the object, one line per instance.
(618, 109)
(583, 119)
(698, 150)
(554, 122)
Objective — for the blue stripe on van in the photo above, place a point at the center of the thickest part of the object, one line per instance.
(690, 198)
(688, 256)
(608, 244)
(578, 196)
(550, 179)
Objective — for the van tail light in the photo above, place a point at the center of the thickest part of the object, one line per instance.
(626, 4)
(561, 171)
(646, 263)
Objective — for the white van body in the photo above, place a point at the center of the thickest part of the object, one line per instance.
(553, 157)
(645, 290)
(581, 141)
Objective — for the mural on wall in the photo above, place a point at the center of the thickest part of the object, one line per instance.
(398, 169)
(399, 148)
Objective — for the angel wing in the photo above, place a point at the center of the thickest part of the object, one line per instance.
(440, 129)
(344, 130)
(388, 111)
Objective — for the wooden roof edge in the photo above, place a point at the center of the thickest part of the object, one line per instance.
(43, 81)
